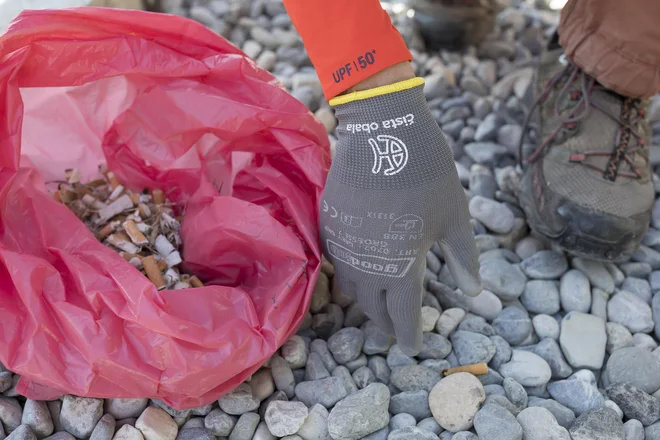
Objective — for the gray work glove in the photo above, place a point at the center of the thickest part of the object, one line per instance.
(393, 191)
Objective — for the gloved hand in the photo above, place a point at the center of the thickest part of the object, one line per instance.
(392, 191)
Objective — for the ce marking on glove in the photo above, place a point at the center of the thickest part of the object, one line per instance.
(347, 219)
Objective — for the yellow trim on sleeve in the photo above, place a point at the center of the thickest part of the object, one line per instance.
(377, 91)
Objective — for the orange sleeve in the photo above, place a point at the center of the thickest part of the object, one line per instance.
(346, 40)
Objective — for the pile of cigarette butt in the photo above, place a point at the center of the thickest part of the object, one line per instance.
(141, 227)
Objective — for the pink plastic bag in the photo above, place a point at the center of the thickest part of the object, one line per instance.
(167, 104)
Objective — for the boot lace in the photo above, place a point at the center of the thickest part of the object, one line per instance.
(572, 105)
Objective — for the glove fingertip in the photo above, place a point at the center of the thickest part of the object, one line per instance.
(464, 271)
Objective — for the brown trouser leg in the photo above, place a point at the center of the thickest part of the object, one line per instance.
(615, 41)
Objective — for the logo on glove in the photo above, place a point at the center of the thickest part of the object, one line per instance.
(392, 151)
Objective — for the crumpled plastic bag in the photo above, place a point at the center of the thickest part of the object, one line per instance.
(168, 104)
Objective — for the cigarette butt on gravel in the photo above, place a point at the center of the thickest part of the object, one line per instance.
(153, 272)
(476, 369)
(134, 233)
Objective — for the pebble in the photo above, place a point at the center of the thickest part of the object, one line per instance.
(285, 418)
(278, 395)
(294, 352)
(314, 370)
(363, 376)
(477, 324)
(354, 316)
(503, 352)
(448, 322)
(23, 432)
(541, 296)
(627, 309)
(577, 395)
(464, 435)
(411, 432)
(378, 365)
(528, 369)
(602, 424)
(528, 246)
(639, 287)
(634, 430)
(515, 393)
(617, 337)
(430, 317)
(262, 384)
(471, 347)
(485, 153)
(583, 340)
(599, 303)
(501, 278)
(575, 292)
(486, 304)
(540, 424)
(545, 326)
(545, 265)
(635, 403)
(219, 423)
(414, 377)
(645, 254)
(549, 350)
(262, 433)
(63, 435)
(282, 376)
(105, 428)
(79, 415)
(493, 422)
(429, 424)
(326, 391)
(360, 414)
(315, 426)
(655, 311)
(509, 136)
(513, 324)
(342, 373)
(155, 424)
(564, 416)
(596, 273)
(375, 339)
(415, 403)
(434, 346)
(494, 215)
(37, 417)
(353, 366)
(125, 408)
(487, 129)
(652, 432)
(402, 420)
(240, 400)
(381, 434)
(455, 400)
(642, 340)
(245, 427)
(610, 404)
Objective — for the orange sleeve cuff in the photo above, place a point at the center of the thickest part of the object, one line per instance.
(346, 40)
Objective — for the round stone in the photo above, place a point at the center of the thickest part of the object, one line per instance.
(455, 400)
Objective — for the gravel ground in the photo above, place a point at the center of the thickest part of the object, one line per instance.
(572, 345)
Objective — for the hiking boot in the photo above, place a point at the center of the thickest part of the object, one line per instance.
(454, 24)
(587, 184)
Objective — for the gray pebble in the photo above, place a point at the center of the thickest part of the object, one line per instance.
(105, 428)
(434, 346)
(282, 375)
(326, 391)
(509, 136)
(634, 430)
(37, 417)
(577, 395)
(596, 273)
(381, 434)
(549, 350)
(23, 432)
(363, 376)
(642, 340)
(354, 316)
(502, 279)
(414, 377)
(528, 246)
(402, 420)
(346, 344)
(247, 424)
(360, 414)
(515, 393)
(193, 422)
(486, 242)
(411, 432)
(575, 292)
(617, 337)
(645, 254)
(627, 309)
(381, 370)
(455, 400)
(472, 348)
(611, 405)
(375, 339)
(482, 182)
(652, 432)
(278, 395)
(397, 358)
(564, 416)
(513, 324)
(262, 433)
(541, 296)
(464, 435)
(502, 353)
(494, 215)
(545, 326)
(477, 324)
(583, 340)
(283, 418)
(599, 301)
(493, 422)
(219, 423)
(347, 381)
(639, 287)
(448, 322)
(602, 424)
(635, 403)
(491, 378)
(494, 389)
(354, 365)
(415, 403)
(545, 265)
(429, 424)
(79, 415)
(315, 369)
(540, 424)
(124, 408)
(498, 399)
(430, 317)
(486, 304)
(528, 369)
(315, 426)
(63, 435)
(487, 129)
(617, 275)
(654, 279)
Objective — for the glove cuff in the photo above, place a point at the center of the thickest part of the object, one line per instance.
(377, 91)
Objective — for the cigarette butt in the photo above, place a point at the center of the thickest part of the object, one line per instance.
(74, 176)
(171, 277)
(114, 182)
(162, 264)
(128, 256)
(121, 241)
(105, 231)
(153, 272)
(476, 369)
(173, 259)
(122, 203)
(144, 210)
(135, 262)
(117, 192)
(159, 197)
(134, 233)
(195, 282)
(163, 246)
(57, 197)
(67, 196)
(135, 198)
(96, 183)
